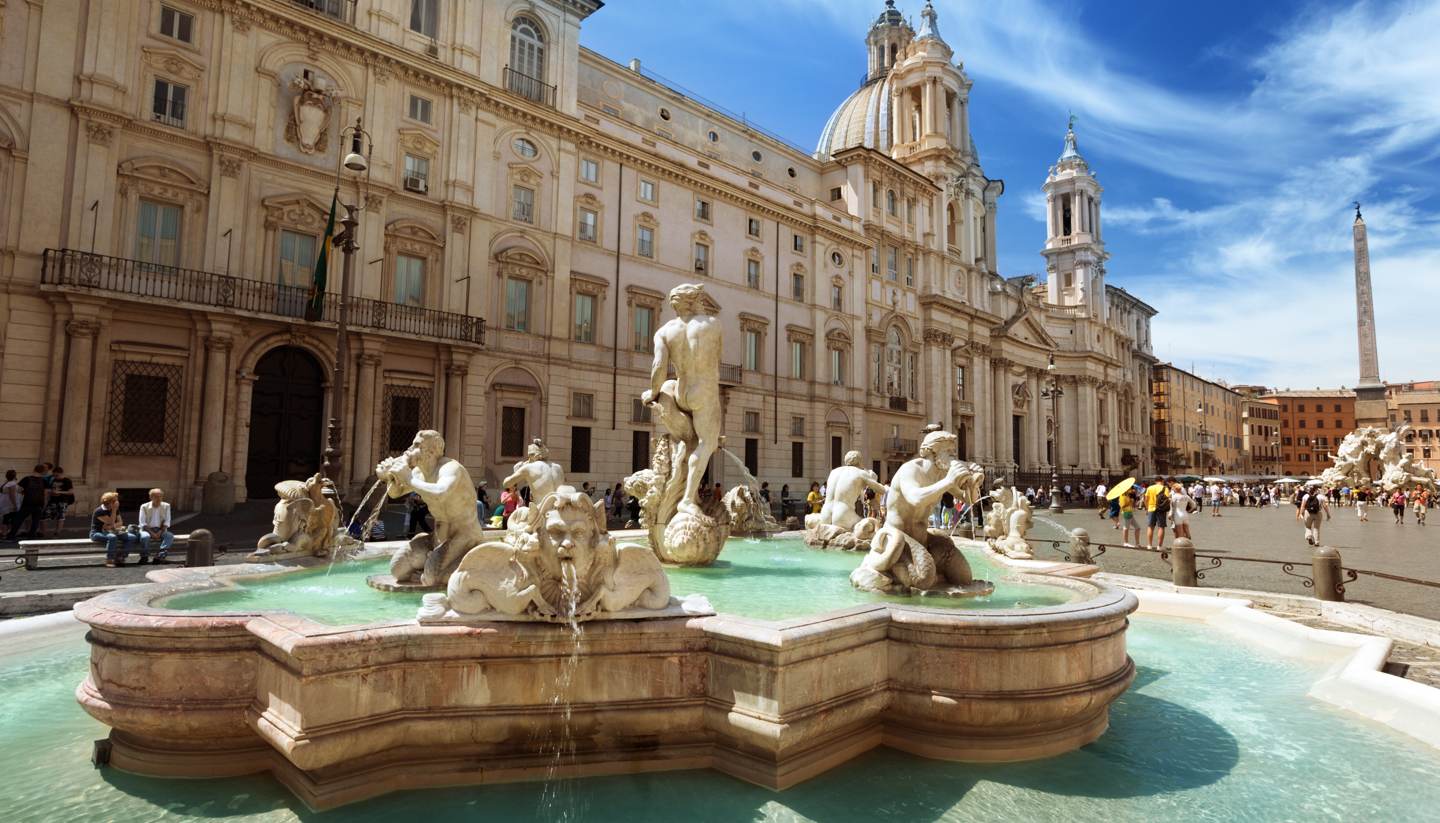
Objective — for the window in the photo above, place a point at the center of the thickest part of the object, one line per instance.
(527, 48)
(645, 242)
(420, 109)
(797, 459)
(523, 204)
(525, 148)
(756, 156)
(588, 226)
(837, 258)
(425, 17)
(797, 286)
(1285, 441)
(639, 412)
(752, 226)
(589, 170)
(837, 367)
(582, 405)
(639, 450)
(835, 194)
(1302, 424)
(647, 190)
(297, 259)
(1424, 416)
(752, 421)
(1300, 407)
(177, 24)
(797, 427)
(799, 243)
(960, 382)
(409, 280)
(644, 328)
(1340, 424)
(664, 113)
(752, 273)
(157, 234)
(892, 263)
(752, 455)
(702, 258)
(407, 410)
(168, 105)
(909, 271)
(1337, 408)
(714, 137)
(584, 318)
(797, 359)
(875, 196)
(702, 210)
(890, 203)
(910, 210)
(752, 350)
(837, 297)
(512, 431)
(143, 414)
(580, 449)
(417, 169)
(517, 304)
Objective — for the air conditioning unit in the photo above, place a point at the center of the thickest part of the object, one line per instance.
(433, 49)
(417, 185)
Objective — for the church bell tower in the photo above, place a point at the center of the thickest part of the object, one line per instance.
(1074, 248)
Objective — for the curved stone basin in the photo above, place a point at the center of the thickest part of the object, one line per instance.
(343, 713)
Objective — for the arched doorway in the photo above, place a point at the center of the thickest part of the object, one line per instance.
(287, 409)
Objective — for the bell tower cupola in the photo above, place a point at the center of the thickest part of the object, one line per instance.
(1074, 247)
(887, 40)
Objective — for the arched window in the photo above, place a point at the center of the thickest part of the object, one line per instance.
(527, 48)
(890, 203)
(894, 363)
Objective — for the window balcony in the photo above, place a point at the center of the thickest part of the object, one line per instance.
(531, 88)
(67, 269)
(899, 404)
(731, 375)
(341, 10)
(901, 445)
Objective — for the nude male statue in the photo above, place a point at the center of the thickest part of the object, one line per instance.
(542, 476)
(445, 486)
(691, 343)
(843, 487)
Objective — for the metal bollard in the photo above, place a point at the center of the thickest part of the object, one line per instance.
(1326, 568)
(201, 551)
(1182, 563)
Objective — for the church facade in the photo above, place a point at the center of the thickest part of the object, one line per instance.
(527, 205)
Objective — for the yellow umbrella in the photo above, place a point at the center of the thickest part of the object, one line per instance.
(1120, 488)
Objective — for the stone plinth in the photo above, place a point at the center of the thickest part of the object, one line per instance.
(340, 715)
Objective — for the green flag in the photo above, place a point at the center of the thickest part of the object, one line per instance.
(315, 306)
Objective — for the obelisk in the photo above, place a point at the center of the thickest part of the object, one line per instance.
(1370, 406)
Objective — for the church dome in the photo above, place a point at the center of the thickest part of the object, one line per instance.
(862, 120)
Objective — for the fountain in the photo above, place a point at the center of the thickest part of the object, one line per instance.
(1372, 456)
(306, 522)
(748, 512)
(837, 525)
(1007, 523)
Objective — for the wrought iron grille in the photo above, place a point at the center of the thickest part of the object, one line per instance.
(143, 417)
(407, 411)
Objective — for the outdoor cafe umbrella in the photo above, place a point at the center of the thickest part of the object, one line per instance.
(1287, 481)
(1120, 488)
(1215, 480)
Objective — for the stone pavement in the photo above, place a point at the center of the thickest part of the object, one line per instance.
(1381, 545)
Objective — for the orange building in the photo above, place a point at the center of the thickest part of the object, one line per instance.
(1417, 405)
(1312, 424)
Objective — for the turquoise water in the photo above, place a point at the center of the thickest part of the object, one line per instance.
(1214, 729)
(771, 579)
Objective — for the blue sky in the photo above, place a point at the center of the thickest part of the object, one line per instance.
(1230, 138)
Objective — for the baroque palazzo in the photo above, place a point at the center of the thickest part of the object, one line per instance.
(166, 172)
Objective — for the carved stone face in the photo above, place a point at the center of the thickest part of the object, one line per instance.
(569, 534)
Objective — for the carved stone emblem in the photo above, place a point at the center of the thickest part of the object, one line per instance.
(309, 124)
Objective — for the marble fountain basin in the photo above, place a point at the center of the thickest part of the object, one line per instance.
(340, 713)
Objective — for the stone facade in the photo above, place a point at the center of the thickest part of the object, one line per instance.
(181, 175)
(1199, 424)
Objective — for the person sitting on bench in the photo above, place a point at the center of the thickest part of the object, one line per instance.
(107, 529)
(155, 526)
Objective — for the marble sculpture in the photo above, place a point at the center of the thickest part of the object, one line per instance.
(306, 522)
(688, 407)
(1371, 456)
(838, 526)
(905, 557)
(1008, 521)
(445, 486)
(541, 475)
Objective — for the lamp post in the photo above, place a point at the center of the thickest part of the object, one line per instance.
(349, 243)
(1053, 391)
(1275, 455)
(1200, 410)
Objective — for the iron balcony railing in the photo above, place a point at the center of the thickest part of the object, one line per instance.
(164, 284)
(899, 403)
(342, 10)
(901, 445)
(530, 88)
(731, 374)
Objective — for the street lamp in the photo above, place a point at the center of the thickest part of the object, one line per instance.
(1053, 391)
(356, 160)
(1200, 410)
(1275, 455)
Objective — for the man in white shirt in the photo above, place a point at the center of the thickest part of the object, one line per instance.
(155, 526)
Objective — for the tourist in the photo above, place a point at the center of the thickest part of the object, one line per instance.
(1157, 508)
(765, 495)
(1126, 503)
(1397, 506)
(1362, 507)
(33, 496)
(617, 497)
(62, 497)
(9, 497)
(785, 501)
(1180, 507)
(1113, 507)
(587, 490)
(1216, 499)
(509, 502)
(107, 528)
(719, 493)
(813, 499)
(419, 514)
(154, 526)
(947, 509)
(633, 504)
(1422, 504)
(482, 497)
(1312, 504)
(1100, 496)
(609, 499)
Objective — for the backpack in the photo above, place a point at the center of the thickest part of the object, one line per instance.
(1162, 502)
(1312, 503)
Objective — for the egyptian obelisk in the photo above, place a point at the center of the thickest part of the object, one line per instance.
(1370, 407)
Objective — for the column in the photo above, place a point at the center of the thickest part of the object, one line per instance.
(1002, 405)
(217, 351)
(244, 390)
(927, 117)
(957, 137)
(1037, 416)
(965, 126)
(896, 135)
(454, 401)
(362, 460)
(78, 375)
(979, 431)
(1085, 425)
